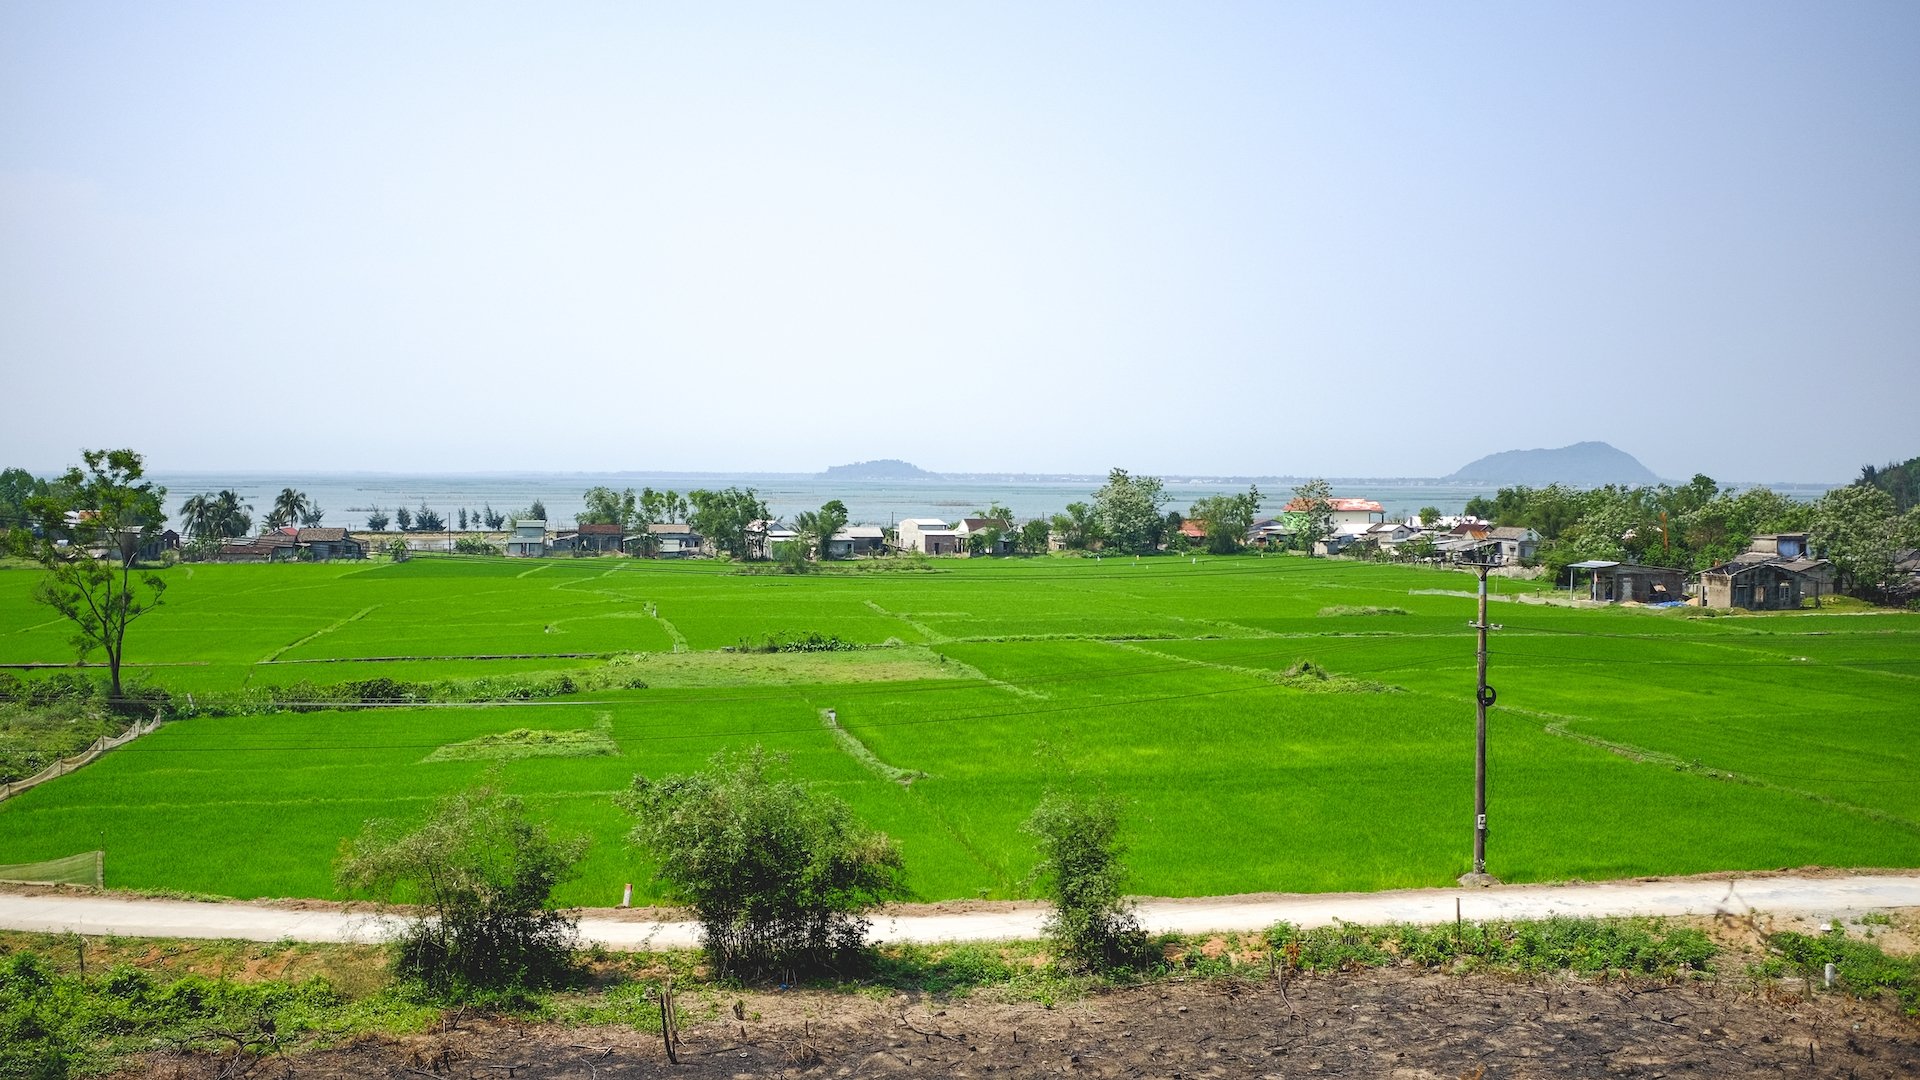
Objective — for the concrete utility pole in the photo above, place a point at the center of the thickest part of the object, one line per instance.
(1483, 697)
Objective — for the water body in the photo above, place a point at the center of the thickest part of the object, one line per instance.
(346, 498)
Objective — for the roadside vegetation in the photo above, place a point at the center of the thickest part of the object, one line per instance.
(73, 1006)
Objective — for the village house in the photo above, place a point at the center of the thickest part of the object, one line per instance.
(1775, 573)
(1618, 582)
(322, 544)
(591, 539)
(1270, 533)
(857, 540)
(928, 536)
(528, 539)
(1345, 511)
(1513, 544)
(977, 526)
(673, 540)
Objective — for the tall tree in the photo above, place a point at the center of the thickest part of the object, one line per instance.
(1227, 519)
(1078, 526)
(403, 518)
(606, 506)
(816, 528)
(313, 515)
(196, 517)
(107, 505)
(1858, 528)
(723, 517)
(231, 517)
(288, 506)
(1312, 512)
(377, 520)
(1129, 511)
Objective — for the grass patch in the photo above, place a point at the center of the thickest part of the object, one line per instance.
(1361, 609)
(1860, 967)
(522, 743)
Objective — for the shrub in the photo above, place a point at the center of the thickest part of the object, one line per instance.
(482, 874)
(776, 873)
(1093, 924)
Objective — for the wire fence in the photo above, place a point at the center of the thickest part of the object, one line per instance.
(63, 766)
(86, 868)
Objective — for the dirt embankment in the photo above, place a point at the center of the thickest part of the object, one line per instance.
(1378, 1023)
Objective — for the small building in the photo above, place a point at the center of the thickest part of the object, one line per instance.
(1345, 511)
(276, 546)
(855, 540)
(326, 544)
(1270, 533)
(1762, 584)
(600, 538)
(673, 540)
(928, 536)
(1513, 544)
(1784, 545)
(968, 528)
(1618, 582)
(528, 539)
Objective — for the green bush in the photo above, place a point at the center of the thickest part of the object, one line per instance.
(1862, 968)
(776, 873)
(481, 874)
(1080, 870)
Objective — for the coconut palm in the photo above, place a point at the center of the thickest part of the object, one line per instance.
(230, 516)
(287, 508)
(196, 516)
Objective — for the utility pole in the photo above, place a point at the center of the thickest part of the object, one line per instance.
(1483, 697)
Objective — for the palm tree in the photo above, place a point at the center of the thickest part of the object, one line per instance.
(196, 516)
(230, 516)
(288, 506)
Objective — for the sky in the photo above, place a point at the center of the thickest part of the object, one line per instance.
(1345, 239)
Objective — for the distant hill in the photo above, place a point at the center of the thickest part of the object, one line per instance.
(1587, 464)
(883, 469)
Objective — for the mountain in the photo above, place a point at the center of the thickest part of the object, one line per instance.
(883, 469)
(1587, 464)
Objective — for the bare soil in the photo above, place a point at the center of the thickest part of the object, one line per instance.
(1395, 1023)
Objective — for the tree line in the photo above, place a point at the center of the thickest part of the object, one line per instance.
(1863, 528)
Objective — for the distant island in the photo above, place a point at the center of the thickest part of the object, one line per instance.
(883, 469)
(1585, 464)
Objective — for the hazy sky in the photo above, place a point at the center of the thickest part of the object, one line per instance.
(1264, 238)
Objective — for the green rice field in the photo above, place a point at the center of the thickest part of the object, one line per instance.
(1273, 724)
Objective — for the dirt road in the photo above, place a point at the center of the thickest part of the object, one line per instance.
(1807, 896)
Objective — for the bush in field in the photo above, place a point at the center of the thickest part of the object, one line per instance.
(481, 874)
(1093, 924)
(776, 873)
(473, 545)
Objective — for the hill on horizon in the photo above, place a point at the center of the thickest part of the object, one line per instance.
(881, 469)
(1584, 464)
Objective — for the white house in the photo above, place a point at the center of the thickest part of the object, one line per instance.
(928, 536)
(529, 539)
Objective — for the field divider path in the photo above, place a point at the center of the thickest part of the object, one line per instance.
(934, 637)
(1835, 898)
(327, 629)
(1556, 724)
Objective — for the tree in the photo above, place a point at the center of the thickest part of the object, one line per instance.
(536, 512)
(313, 515)
(428, 520)
(606, 506)
(817, 527)
(777, 873)
(1092, 924)
(1858, 528)
(106, 506)
(724, 517)
(1035, 535)
(1227, 519)
(1129, 511)
(196, 516)
(287, 508)
(231, 517)
(1312, 509)
(480, 874)
(495, 519)
(1902, 481)
(403, 518)
(377, 520)
(1078, 527)
(1429, 515)
(462, 517)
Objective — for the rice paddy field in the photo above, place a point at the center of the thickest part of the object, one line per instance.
(1272, 724)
